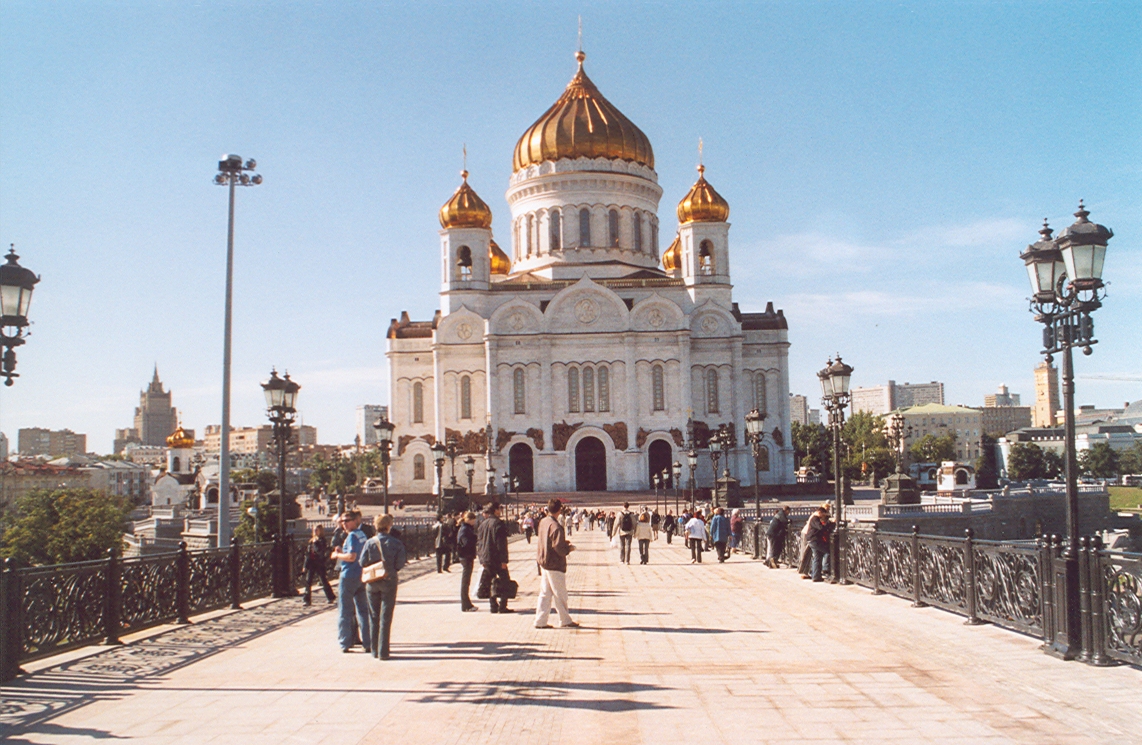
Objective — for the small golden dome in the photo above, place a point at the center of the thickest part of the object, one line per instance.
(180, 440)
(465, 209)
(501, 264)
(672, 258)
(702, 203)
(582, 124)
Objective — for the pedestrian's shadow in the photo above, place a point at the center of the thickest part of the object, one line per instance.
(689, 630)
(606, 697)
(483, 651)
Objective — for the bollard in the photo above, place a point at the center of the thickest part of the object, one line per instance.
(1084, 599)
(182, 567)
(757, 540)
(970, 596)
(916, 601)
(1097, 605)
(1046, 571)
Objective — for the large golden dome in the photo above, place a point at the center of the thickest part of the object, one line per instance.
(501, 264)
(582, 124)
(465, 209)
(672, 258)
(180, 440)
(702, 203)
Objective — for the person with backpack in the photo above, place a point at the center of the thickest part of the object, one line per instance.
(624, 529)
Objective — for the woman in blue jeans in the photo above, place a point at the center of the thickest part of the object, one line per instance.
(382, 594)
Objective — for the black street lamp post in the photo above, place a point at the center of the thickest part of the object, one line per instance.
(835, 397)
(16, 285)
(385, 430)
(1067, 287)
(755, 433)
(715, 446)
(657, 481)
(439, 453)
(232, 172)
(470, 470)
(676, 469)
(692, 462)
(281, 397)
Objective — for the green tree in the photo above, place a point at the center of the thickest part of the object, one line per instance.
(266, 522)
(1025, 462)
(869, 455)
(1053, 465)
(813, 447)
(64, 525)
(933, 449)
(1130, 460)
(986, 466)
(267, 481)
(1099, 461)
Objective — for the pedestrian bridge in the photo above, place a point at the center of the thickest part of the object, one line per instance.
(667, 653)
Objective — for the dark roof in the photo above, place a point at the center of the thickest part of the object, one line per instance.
(770, 320)
(408, 329)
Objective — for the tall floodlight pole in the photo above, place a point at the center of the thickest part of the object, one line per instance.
(231, 172)
(1066, 281)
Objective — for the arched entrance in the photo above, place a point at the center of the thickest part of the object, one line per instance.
(519, 466)
(658, 456)
(590, 465)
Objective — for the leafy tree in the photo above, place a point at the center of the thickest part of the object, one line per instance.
(1053, 465)
(869, 455)
(1025, 462)
(933, 449)
(64, 525)
(267, 481)
(266, 522)
(1130, 460)
(986, 467)
(1099, 461)
(813, 446)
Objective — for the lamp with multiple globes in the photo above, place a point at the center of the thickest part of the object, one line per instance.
(385, 430)
(755, 434)
(835, 397)
(281, 400)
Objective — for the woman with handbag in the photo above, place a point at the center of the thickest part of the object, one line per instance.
(381, 559)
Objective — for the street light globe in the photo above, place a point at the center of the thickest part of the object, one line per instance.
(438, 453)
(384, 430)
(753, 422)
(274, 388)
(1083, 246)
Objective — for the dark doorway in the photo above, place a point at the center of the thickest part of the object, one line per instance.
(590, 465)
(519, 466)
(659, 455)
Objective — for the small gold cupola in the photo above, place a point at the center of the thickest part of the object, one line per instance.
(672, 257)
(501, 264)
(180, 440)
(702, 203)
(465, 209)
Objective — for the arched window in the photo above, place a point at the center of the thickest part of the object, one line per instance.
(706, 258)
(464, 261)
(658, 388)
(613, 226)
(759, 392)
(584, 227)
(653, 239)
(637, 232)
(530, 232)
(418, 468)
(711, 391)
(604, 376)
(465, 397)
(573, 389)
(519, 399)
(556, 231)
(417, 403)
(588, 389)
(763, 458)
(176, 464)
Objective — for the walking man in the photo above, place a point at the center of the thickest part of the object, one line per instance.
(466, 547)
(492, 549)
(551, 554)
(624, 527)
(351, 600)
(720, 533)
(696, 533)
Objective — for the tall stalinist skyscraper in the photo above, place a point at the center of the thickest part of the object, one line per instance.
(155, 418)
(1046, 395)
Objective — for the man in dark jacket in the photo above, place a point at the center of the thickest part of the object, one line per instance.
(443, 543)
(817, 537)
(551, 555)
(466, 548)
(492, 549)
(775, 534)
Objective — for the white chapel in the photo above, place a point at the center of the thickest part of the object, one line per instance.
(577, 362)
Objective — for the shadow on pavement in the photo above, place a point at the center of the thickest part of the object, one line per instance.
(689, 630)
(118, 671)
(562, 695)
(484, 651)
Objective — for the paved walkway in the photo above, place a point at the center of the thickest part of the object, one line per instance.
(668, 653)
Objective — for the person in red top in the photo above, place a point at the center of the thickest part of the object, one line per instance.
(551, 554)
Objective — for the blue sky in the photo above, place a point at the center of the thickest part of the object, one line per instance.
(885, 163)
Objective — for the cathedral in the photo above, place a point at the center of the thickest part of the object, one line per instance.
(584, 359)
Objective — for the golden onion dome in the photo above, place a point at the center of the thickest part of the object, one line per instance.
(501, 264)
(582, 124)
(465, 209)
(672, 258)
(702, 203)
(180, 440)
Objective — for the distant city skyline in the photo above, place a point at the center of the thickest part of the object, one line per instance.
(884, 165)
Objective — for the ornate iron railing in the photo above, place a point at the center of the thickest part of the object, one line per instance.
(1118, 576)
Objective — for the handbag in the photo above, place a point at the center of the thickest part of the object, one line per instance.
(504, 588)
(373, 573)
